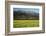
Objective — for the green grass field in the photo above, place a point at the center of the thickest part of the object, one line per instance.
(25, 23)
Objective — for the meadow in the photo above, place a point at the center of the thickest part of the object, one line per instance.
(25, 23)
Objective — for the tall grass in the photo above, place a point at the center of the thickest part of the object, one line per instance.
(25, 23)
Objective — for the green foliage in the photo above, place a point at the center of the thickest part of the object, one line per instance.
(25, 23)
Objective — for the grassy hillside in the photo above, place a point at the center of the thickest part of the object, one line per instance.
(25, 23)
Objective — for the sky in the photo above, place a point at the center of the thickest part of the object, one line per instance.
(28, 10)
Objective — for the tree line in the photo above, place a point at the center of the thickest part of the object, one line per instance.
(22, 15)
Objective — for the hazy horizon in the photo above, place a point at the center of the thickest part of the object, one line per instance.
(28, 10)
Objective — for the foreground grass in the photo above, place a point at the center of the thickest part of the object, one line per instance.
(25, 23)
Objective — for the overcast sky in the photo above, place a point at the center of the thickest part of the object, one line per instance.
(36, 10)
